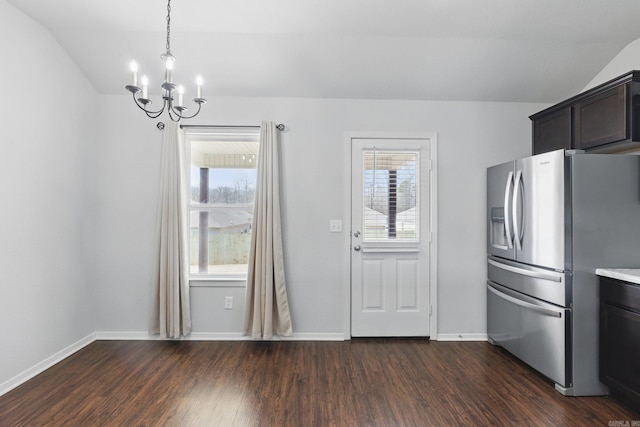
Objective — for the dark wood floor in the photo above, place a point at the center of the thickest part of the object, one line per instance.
(354, 383)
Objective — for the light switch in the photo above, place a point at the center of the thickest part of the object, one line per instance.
(335, 226)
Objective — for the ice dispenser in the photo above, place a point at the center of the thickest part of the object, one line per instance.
(498, 231)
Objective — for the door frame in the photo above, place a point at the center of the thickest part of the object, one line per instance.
(433, 215)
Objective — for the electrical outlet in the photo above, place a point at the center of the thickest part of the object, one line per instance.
(228, 303)
(335, 226)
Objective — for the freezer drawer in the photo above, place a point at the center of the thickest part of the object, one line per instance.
(547, 285)
(534, 331)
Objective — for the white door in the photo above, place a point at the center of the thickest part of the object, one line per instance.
(390, 234)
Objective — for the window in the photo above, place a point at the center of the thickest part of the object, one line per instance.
(220, 203)
(390, 195)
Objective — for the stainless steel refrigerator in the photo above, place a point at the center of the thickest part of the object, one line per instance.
(553, 219)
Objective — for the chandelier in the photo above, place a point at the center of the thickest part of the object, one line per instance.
(176, 110)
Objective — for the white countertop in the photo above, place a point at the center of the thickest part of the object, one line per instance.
(627, 274)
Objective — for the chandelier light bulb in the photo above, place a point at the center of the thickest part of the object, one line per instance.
(199, 86)
(180, 95)
(168, 64)
(133, 66)
(145, 84)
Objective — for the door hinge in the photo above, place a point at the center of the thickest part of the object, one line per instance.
(430, 310)
(430, 236)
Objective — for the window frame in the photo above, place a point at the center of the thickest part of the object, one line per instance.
(199, 135)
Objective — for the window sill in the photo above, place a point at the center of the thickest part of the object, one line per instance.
(211, 282)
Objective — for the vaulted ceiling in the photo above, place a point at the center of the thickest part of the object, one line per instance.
(472, 50)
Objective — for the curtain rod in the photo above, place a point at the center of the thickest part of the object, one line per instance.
(279, 126)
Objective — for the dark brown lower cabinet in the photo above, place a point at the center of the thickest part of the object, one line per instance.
(620, 340)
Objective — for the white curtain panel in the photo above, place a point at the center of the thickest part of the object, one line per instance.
(267, 308)
(172, 314)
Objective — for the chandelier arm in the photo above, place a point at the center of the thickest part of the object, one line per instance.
(142, 107)
(191, 116)
(154, 115)
(171, 113)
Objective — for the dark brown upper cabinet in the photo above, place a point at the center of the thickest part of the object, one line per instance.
(601, 119)
(552, 131)
(605, 119)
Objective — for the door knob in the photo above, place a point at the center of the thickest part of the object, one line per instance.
(356, 234)
(356, 248)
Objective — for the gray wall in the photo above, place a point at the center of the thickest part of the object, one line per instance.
(47, 219)
(79, 185)
(471, 136)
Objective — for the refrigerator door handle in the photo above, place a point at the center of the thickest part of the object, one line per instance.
(528, 305)
(507, 224)
(523, 272)
(517, 228)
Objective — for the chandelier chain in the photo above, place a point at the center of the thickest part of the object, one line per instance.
(169, 26)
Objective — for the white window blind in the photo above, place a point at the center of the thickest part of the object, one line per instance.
(390, 195)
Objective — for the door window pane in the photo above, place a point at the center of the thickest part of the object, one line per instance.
(390, 195)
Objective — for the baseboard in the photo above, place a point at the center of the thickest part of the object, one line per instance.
(125, 336)
(237, 336)
(462, 337)
(217, 336)
(38, 368)
(310, 336)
